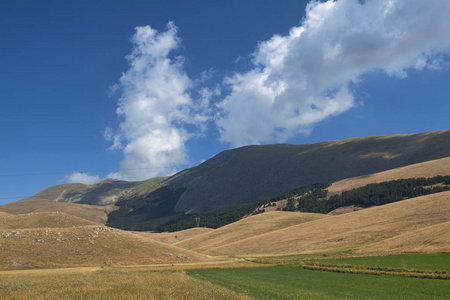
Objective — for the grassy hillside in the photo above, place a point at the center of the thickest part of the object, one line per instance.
(97, 214)
(84, 246)
(431, 239)
(175, 237)
(368, 226)
(426, 169)
(4, 214)
(248, 227)
(42, 220)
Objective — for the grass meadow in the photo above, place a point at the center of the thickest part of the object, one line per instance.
(436, 262)
(110, 284)
(286, 282)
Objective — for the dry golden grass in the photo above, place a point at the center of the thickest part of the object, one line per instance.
(4, 214)
(432, 239)
(93, 213)
(426, 169)
(111, 284)
(247, 227)
(174, 237)
(42, 220)
(84, 246)
(367, 226)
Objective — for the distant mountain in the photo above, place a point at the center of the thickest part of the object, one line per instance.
(103, 193)
(249, 174)
(255, 172)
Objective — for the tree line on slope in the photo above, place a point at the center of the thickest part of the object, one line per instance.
(221, 217)
(370, 195)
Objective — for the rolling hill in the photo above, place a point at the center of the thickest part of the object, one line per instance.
(367, 226)
(247, 227)
(4, 214)
(42, 220)
(97, 214)
(175, 237)
(92, 245)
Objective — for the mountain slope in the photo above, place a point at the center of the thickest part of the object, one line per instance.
(255, 172)
(426, 169)
(367, 226)
(249, 174)
(102, 193)
(97, 214)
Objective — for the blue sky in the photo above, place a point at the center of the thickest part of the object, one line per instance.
(132, 90)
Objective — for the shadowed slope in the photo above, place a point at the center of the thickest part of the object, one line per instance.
(97, 214)
(426, 169)
(247, 227)
(42, 220)
(371, 225)
(85, 246)
(175, 237)
(253, 173)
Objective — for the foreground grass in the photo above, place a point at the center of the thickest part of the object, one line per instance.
(437, 262)
(286, 282)
(110, 284)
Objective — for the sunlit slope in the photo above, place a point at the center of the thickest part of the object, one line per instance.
(426, 169)
(175, 237)
(247, 227)
(431, 239)
(42, 220)
(84, 246)
(102, 193)
(97, 214)
(4, 214)
(362, 227)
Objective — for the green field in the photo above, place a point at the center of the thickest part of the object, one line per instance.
(427, 262)
(286, 282)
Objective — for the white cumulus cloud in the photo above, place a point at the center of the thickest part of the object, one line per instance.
(84, 178)
(155, 107)
(304, 77)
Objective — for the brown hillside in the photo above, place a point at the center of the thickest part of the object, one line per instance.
(97, 214)
(431, 239)
(85, 246)
(426, 169)
(4, 214)
(247, 227)
(367, 226)
(174, 237)
(42, 220)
